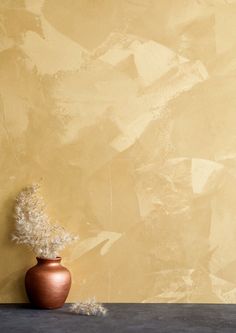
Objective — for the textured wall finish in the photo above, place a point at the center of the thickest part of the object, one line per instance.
(127, 112)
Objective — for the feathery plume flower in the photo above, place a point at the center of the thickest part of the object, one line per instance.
(33, 227)
(89, 308)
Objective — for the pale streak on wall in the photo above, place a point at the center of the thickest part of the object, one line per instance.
(126, 109)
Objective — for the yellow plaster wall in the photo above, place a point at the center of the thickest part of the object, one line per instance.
(127, 112)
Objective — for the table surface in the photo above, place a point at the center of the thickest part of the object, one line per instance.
(122, 318)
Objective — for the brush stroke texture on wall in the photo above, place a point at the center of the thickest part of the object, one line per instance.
(127, 112)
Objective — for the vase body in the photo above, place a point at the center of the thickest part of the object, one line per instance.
(48, 283)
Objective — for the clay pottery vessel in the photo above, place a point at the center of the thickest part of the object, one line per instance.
(48, 283)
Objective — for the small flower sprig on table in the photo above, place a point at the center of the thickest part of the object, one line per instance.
(89, 308)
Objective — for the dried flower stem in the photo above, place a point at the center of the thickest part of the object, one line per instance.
(89, 308)
(33, 227)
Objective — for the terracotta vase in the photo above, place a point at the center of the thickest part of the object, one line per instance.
(48, 283)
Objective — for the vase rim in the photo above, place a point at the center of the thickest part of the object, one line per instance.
(40, 259)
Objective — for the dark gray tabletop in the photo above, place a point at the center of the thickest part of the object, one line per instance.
(122, 318)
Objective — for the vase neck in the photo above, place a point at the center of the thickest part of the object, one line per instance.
(56, 260)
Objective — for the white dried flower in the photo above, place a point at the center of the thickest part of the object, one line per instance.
(33, 227)
(89, 308)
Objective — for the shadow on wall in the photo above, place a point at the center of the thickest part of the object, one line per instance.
(12, 284)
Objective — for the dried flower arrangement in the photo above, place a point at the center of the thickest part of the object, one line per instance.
(89, 308)
(33, 226)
